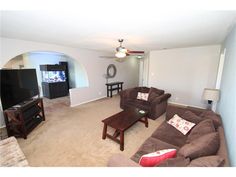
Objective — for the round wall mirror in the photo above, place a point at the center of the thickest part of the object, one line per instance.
(111, 71)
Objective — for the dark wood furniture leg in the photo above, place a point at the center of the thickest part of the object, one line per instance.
(107, 91)
(111, 91)
(42, 107)
(116, 134)
(121, 140)
(145, 121)
(104, 131)
(23, 126)
(118, 88)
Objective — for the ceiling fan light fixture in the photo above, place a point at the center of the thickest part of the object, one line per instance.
(121, 49)
(124, 50)
(120, 54)
(139, 57)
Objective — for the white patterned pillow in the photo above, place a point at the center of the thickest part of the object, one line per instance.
(142, 96)
(180, 124)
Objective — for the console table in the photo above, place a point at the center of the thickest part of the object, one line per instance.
(114, 86)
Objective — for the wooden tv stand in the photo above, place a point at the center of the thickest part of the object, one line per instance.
(21, 120)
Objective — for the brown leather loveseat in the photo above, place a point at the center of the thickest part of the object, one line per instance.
(155, 105)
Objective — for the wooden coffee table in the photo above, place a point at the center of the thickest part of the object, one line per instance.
(121, 122)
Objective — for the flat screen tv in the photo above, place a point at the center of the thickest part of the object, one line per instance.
(17, 86)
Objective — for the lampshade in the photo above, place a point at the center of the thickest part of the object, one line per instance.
(120, 54)
(211, 94)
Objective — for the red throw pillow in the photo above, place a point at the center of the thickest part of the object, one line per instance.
(155, 158)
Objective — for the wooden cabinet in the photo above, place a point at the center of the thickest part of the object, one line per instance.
(54, 90)
(22, 119)
(55, 82)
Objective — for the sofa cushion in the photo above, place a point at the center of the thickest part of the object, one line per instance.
(190, 116)
(141, 104)
(207, 161)
(153, 93)
(143, 89)
(175, 162)
(129, 94)
(204, 146)
(213, 116)
(169, 134)
(152, 96)
(151, 145)
(201, 129)
(157, 91)
(155, 158)
(180, 124)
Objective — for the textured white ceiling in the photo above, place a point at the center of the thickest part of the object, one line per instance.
(99, 29)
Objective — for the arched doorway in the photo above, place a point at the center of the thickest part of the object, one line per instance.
(77, 75)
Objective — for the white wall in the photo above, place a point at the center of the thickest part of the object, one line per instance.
(227, 104)
(15, 63)
(128, 72)
(91, 65)
(184, 72)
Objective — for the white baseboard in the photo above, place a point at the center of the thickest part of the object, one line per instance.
(88, 101)
(186, 105)
(4, 126)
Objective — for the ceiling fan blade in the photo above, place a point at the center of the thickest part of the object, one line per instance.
(137, 51)
(107, 57)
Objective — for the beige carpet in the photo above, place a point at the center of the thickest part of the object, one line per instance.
(73, 136)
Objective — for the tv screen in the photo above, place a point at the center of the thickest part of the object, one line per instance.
(17, 85)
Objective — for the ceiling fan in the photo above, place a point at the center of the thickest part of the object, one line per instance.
(122, 52)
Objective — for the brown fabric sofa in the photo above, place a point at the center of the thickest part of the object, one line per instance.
(166, 137)
(156, 104)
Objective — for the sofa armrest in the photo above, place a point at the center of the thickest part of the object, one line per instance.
(160, 99)
(222, 151)
(118, 160)
(11, 154)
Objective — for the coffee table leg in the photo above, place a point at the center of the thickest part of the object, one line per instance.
(104, 131)
(121, 140)
(146, 121)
